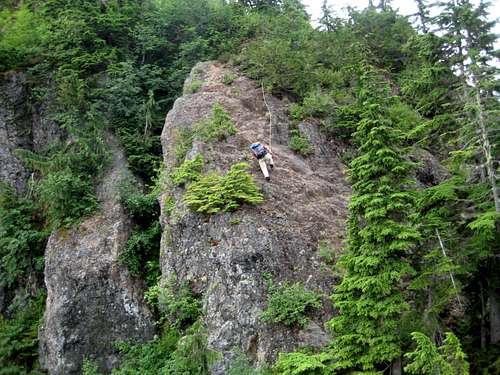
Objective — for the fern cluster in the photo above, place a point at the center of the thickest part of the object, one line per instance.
(213, 193)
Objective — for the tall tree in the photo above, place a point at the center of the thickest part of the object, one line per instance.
(370, 297)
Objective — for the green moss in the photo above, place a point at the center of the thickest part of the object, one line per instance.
(193, 87)
(217, 127)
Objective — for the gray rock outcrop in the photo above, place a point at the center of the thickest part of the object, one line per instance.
(92, 301)
(224, 257)
(24, 124)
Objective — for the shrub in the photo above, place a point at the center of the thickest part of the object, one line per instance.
(177, 305)
(217, 127)
(22, 243)
(141, 249)
(187, 171)
(143, 208)
(325, 251)
(301, 363)
(213, 193)
(183, 143)
(288, 304)
(19, 339)
(193, 87)
(299, 143)
(229, 78)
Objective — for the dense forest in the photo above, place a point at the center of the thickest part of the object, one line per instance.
(420, 280)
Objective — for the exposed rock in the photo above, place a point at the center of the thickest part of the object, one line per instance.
(15, 123)
(23, 125)
(429, 171)
(92, 301)
(224, 257)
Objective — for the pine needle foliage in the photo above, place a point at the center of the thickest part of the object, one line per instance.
(188, 171)
(370, 296)
(213, 193)
(427, 359)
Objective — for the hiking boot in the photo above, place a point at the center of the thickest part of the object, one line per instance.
(268, 178)
(271, 166)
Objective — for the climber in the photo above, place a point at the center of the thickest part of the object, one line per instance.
(263, 153)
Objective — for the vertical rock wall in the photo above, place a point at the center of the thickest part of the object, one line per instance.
(225, 257)
(92, 301)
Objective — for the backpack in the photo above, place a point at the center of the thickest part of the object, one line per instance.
(258, 150)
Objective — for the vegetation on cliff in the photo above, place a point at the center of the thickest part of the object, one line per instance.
(420, 261)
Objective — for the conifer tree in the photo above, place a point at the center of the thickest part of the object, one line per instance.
(370, 297)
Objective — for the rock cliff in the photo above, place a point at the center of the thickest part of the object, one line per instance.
(23, 125)
(224, 257)
(92, 301)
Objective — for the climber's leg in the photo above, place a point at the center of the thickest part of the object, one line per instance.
(263, 167)
(270, 158)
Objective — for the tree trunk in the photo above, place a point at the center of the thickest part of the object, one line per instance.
(494, 299)
(396, 368)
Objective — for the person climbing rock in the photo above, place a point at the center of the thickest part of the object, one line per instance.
(263, 154)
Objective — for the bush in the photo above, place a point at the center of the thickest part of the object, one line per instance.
(213, 193)
(143, 208)
(183, 143)
(19, 339)
(217, 127)
(325, 251)
(193, 87)
(300, 144)
(229, 78)
(177, 304)
(22, 242)
(288, 304)
(187, 171)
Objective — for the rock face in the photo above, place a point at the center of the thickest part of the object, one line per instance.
(92, 301)
(14, 130)
(23, 125)
(224, 257)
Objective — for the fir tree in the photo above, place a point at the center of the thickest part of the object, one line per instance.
(370, 297)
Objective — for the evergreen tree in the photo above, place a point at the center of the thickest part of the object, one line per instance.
(370, 297)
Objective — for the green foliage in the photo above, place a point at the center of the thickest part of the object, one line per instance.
(183, 143)
(217, 127)
(289, 304)
(176, 303)
(188, 171)
(325, 251)
(22, 32)
(22, 242)
(298, 363)
(90, 368)
(370, 297)
(193, 87)
(241, 365)
(229, 78)
(299, 143)
(448, 359)
(141, 252)
(19, 339)
(213, 193)
(151, 358)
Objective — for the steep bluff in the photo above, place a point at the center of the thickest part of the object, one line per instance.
(92, 301)
(224, 257)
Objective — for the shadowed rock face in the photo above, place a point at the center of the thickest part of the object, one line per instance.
(23, 125)
(92, 301)
(225, 256)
